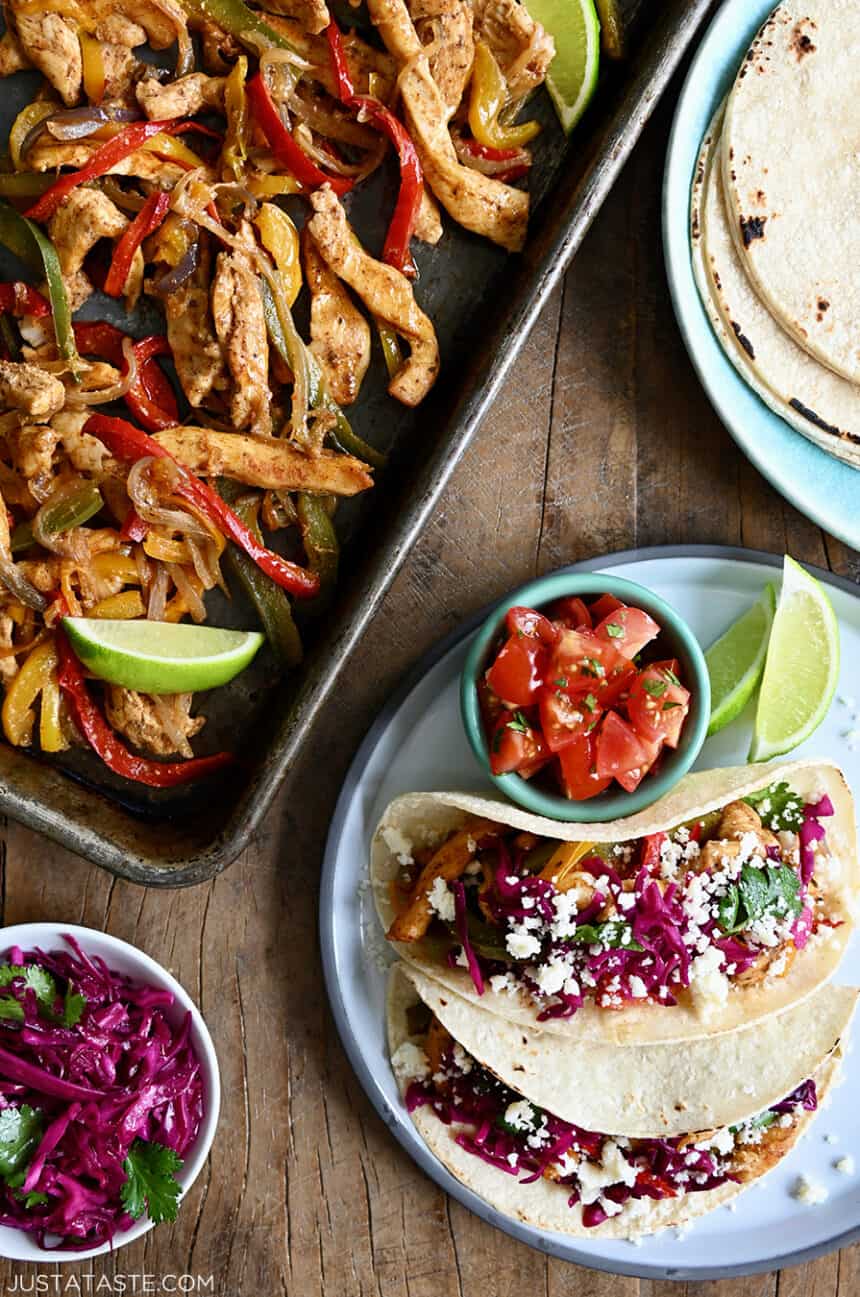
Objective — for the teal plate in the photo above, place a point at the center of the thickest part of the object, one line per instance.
(823, 488)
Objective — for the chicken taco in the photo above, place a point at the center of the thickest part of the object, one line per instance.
(730, 899)
(531, 1165)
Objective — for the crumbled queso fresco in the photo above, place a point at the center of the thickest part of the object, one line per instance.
(540, 933)
(809, 1192)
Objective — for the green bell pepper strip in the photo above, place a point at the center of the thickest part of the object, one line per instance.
(342, 435)
(71, 511)
(269, 600)
(237, 19)
(9, 340)
(36, 250)
(391, 352)
(25, 184)
(320, 541)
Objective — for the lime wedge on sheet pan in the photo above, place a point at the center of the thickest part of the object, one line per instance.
(801, 668)
(736, 661)
(572, 76)
(160, 657)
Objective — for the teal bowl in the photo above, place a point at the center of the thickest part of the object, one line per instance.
(676, 640)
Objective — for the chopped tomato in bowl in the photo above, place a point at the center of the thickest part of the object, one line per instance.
(586, 697)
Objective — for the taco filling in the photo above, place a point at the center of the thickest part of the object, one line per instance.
(675, 917)
(602, 1176)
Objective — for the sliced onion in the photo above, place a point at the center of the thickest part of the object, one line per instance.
(15, 581)
(182, 271)
(185, 50)
(68, 544)
(205, 562)
(231, 188)
(144, 496)
(490, 166)
(157, 601)
(76, 399)
(172, 712)
(190, 597)
(305, 139)
(332, 125)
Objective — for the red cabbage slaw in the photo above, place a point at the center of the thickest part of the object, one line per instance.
(91, 1086)
(656, 951)
(477, 1101)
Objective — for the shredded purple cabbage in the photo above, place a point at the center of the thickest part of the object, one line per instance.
(123, 1072)
(805, 1096)
(462, 925)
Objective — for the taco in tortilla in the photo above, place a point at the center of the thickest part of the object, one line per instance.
(530, 1164)
(730, 899)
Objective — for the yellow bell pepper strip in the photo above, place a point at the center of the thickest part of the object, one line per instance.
(99, 735)
(93, 67)
(341, 435)
(235, 151)
(113, 563)
(128, 141)
(261, 184)
(23, 125)
(28, 242)
(488, 96)
(51, 736)
(145, 223)
(320, 542)
(282, 144)
(127, 443)
(17, 714)
(124, 606)
(281, 238)
(164, 146)
(271, 603)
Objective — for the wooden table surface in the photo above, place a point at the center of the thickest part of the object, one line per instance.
(601, 440)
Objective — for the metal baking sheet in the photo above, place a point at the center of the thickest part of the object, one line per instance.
(483, 304)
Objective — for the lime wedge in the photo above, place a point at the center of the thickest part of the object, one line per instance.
(801, 668)
(736, 661)
(161, 657)
(574, 26)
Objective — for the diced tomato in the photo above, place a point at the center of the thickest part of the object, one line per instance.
(517, 673)
(651, 851)
(631, 781)
(620, 752)
(562, 718)
(583, 664)
(603, 606)
(658, 706)
(525, 621)
(628, 630)
(655, 1186)
(618, 684)
(579, 780)
(572, 613)
(515, 746)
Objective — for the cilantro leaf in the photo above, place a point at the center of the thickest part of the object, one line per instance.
(778, 806)
(73, 1007)
(20, 1132)
(656, 688)
(518, 723)
(612, 934)
(614, 630)
(151, 1183)
(773, 890)
(670, 675)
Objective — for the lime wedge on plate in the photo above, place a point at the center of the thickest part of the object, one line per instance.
(572, 76)
(161, 657)
(736, 661)
(801, 668)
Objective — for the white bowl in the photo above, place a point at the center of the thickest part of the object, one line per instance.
(15, 1245)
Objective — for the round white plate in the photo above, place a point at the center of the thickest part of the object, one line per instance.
(417, 743)
(824, 488)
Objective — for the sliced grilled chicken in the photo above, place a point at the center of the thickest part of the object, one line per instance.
(340, 335)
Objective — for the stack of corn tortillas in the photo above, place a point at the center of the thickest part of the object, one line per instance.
(775, 221)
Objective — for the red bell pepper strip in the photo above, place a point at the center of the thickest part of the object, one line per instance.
(19, 298)
(151, 399)
(116, 150)
(126, 442)
(651, 845)
(396, 249)
(134, 528)
(282, 143)
(147, 220)
(115, 755)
